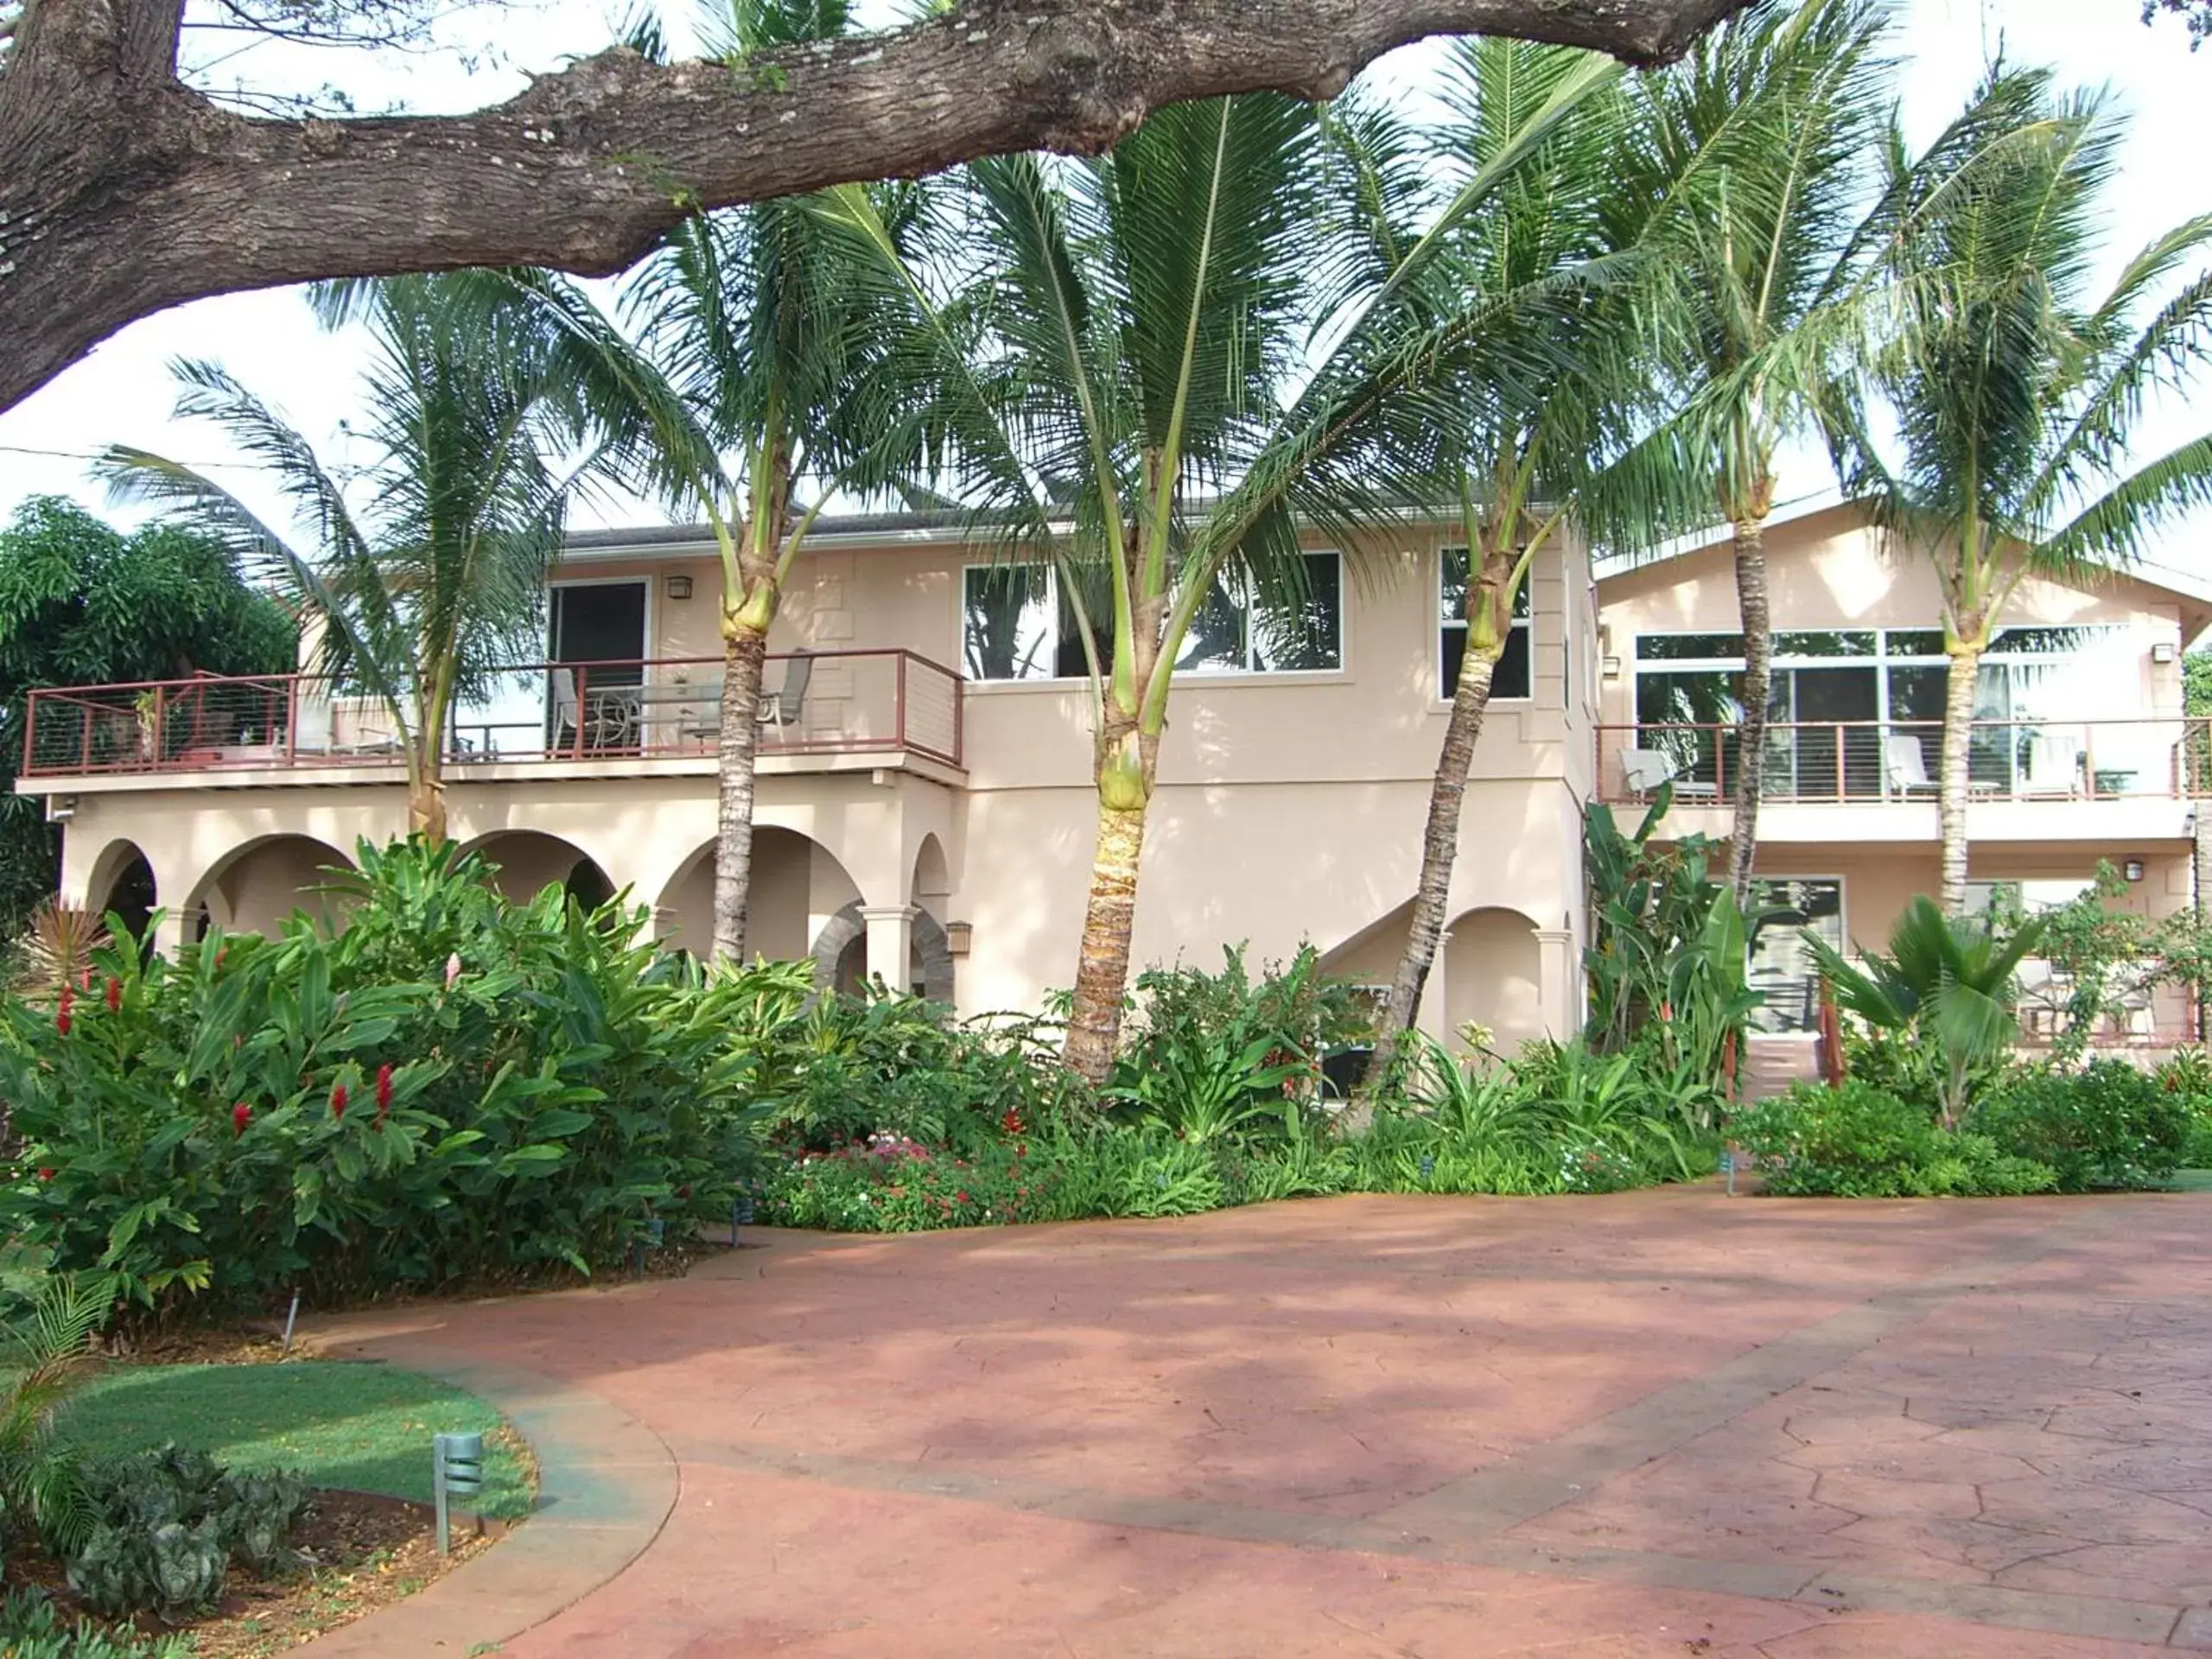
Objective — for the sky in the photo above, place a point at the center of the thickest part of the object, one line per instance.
(123, 392)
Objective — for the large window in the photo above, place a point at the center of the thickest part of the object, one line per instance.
(1017, 624)
(1858, 713)
(1515, 676)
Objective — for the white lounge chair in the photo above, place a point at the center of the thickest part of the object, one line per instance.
(2053, 767)
(1644, 770)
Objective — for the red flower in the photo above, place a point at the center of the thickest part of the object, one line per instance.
(85, 980)
(384, 1093)
(46, 1172)
(960, 1197)
(114, 994)
(61, 1010)
(684, 1192)
(337, 1100)
(1011, 1121)
(241, 1115)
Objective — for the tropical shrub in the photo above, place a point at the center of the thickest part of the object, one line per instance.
(170, 1523)
(1858, 1141)
(1947, 985)
(2108, 1125)
(31, 1629)
(1222, 1056)
(511, 1088)
(42, 1491)
(846, 1069)
(892, 1184)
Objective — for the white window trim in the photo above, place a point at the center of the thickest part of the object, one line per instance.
(1441, 693)
(1247, 676)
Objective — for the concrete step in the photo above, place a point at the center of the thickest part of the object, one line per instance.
(1774, 1060)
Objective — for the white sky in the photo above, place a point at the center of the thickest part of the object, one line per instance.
(123, 392)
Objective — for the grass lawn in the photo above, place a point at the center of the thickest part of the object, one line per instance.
(358, 1426)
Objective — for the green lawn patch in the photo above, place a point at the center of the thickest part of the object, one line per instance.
(2191, 1180)
(367, 1428)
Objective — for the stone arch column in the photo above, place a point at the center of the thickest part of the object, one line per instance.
(886, 929)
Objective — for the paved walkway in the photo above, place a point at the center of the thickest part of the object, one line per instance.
(1659, 1423)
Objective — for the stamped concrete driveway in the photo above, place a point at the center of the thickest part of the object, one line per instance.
(1659, 1423)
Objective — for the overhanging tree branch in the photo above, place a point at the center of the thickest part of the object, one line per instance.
(123, 192)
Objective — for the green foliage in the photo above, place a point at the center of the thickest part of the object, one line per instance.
(845, 1069)
(31, 1629)
(1668, 952)
(2102, 954)
(41, 1483)
(1218, 1056)
(171, 1523)
(1947, 984)
(2108, 1125)
(1858, 1141)
(343, 1114)
(83, 604)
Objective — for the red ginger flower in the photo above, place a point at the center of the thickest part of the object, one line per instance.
(61, 1010)
(384, 1093)
(114, 994)
(337, 1100)
(241, 1115)
(46, 1172)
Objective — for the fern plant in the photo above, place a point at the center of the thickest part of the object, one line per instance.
(41, 1478)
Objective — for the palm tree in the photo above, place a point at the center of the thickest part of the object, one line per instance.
(441, 580)
(1119, 383)
(2012, 391)
(737, 387)
(1751, 147)
(1948, 983)
(1553, 253)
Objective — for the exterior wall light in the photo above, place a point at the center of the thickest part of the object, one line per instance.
(679, 586)
(958, 938)
(2163, 652)
(2133, 869)
(1610, 666)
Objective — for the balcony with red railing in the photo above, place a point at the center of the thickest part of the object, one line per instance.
(819, 710)
(1878, 763)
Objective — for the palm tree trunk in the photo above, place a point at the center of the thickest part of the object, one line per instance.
(1952, 787)
(426, 808)
(1128, 763)
(745, 653)
(1447, 792)
(1759, 658)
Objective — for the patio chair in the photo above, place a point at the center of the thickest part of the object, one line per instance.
(782, 708)
(1644, 770)
(2054, 768)
(1906, 763)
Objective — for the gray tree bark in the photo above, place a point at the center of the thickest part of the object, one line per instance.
(1752, 605)
(1447, 794)
(1953, 788)
(745, 653)
(123, 192)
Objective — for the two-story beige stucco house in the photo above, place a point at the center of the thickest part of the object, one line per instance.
(925, 811)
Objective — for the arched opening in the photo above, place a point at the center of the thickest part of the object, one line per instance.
(840, 956)
(1493, 978)
(932, 883)
(528, 862)
(122, 886)
(796, 886)
(255, 886)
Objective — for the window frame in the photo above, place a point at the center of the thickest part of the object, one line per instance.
(1245, 675)
(1443, 694)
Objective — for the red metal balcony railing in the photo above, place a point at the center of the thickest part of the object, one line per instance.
(812, 703)
(1834, 761)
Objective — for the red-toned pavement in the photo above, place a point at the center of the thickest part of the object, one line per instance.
(1660, 1423)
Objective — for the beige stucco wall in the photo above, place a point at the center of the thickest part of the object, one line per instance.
(1831, 569)
(1289, 808)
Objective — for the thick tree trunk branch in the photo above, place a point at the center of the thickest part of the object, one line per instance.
(122, 192)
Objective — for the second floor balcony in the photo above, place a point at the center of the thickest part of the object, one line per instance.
(819, 710)
(2045, 773)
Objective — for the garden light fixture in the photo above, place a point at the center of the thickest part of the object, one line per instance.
(456, 1471)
